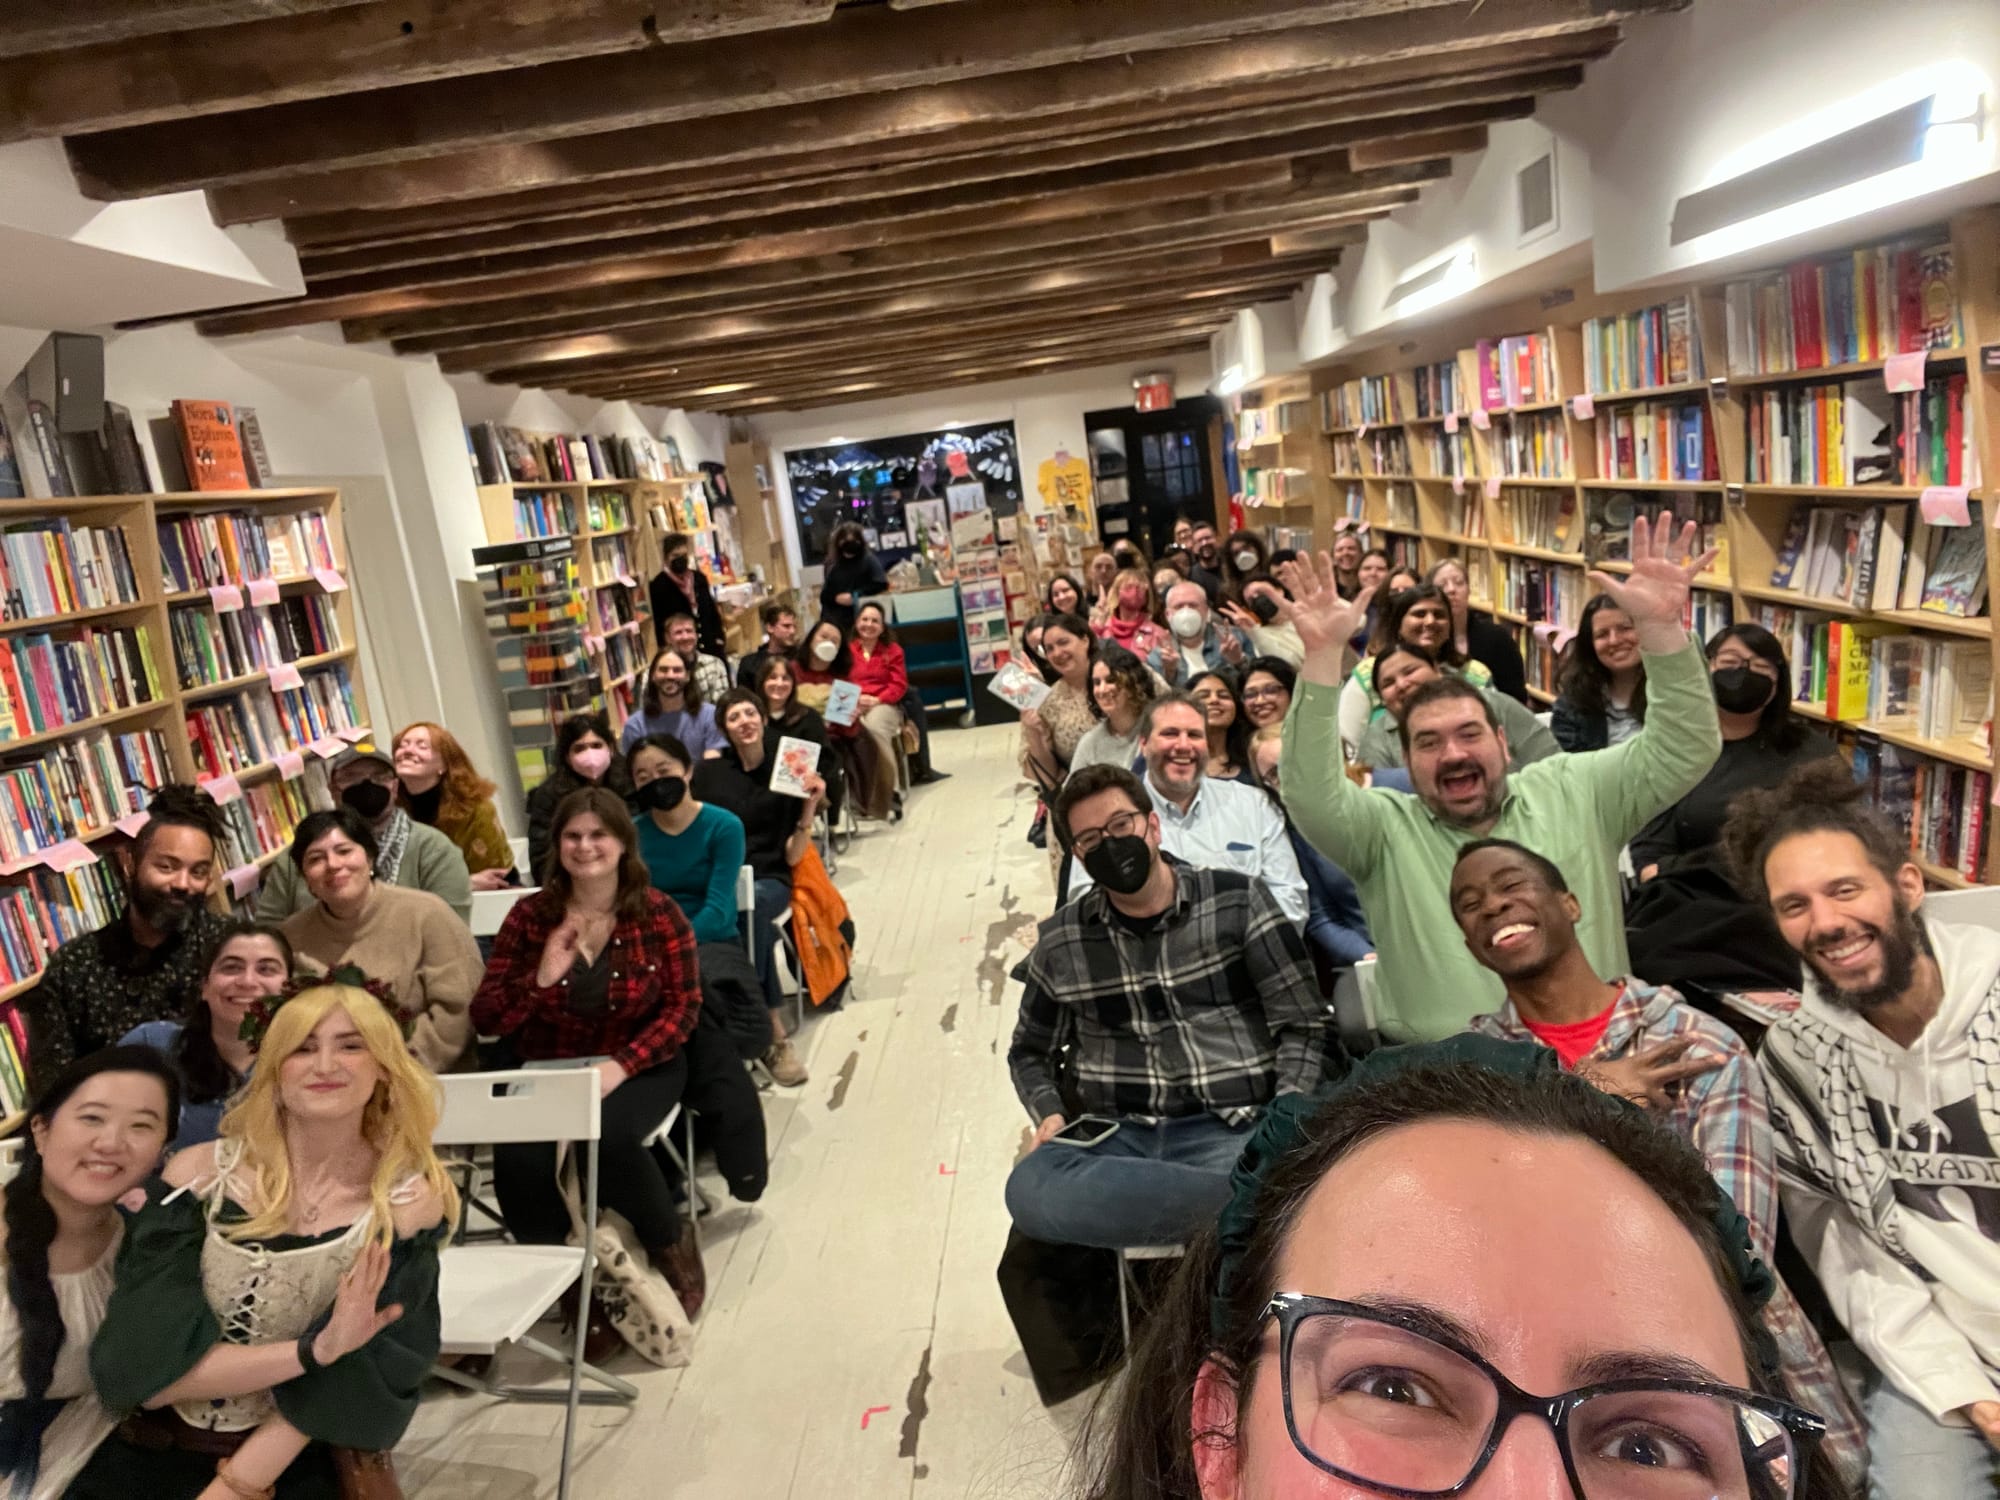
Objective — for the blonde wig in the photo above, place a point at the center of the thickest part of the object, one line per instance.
(397, 1122)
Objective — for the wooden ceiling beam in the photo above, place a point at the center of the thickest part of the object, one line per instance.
(48, 26)
(1030, 105)
(280, 54)
(702, 80)
(1419, 145)
(562, 313)
(821, 178)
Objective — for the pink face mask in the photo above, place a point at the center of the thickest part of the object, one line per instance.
(591, 763)
(1132, 598)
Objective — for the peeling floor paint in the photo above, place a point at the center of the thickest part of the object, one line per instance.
(949, 1020)
(918, 1406)
(840, 1085)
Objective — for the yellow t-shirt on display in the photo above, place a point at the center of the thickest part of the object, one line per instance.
(1065, 484)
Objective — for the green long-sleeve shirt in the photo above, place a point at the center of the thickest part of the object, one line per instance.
(1576, 810)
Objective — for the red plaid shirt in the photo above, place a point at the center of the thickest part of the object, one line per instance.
(654, 993)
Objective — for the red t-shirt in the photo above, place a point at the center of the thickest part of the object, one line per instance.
(1574, 1040)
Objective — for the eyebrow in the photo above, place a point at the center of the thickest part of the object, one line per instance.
(1432, 1322)
(1640, 1364)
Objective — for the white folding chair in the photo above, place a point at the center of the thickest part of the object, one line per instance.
(683, 1155)
(493, 1295)
(520, 848)
(795, 971)
(490, 908)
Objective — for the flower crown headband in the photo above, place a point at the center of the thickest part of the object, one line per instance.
(257, 1019)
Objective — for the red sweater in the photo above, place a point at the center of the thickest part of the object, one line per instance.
(883, 676)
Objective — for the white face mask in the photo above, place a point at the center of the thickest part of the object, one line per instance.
(1187, 622)
(1246, 561)
(827, 650)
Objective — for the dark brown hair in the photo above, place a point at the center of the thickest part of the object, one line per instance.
(1088, 783)
(1584, 680)
(635, 881)
(649, 696)
(1821, 796)
(1440, 690)
(1390, 626)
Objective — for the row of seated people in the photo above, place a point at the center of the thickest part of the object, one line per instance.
(1877, 1136)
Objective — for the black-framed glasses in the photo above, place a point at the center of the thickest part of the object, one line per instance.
(1382, 1401)
(1117, 826)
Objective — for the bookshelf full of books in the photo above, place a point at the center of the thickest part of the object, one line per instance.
(1825, 424)
(538, 618)
(203, 637)
(1281, 466)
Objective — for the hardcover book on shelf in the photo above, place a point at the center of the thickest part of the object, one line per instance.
(1955, 581)
(209, 445)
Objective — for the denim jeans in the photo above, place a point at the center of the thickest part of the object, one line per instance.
(1145, 1185)
(1912, 1456)
(773, 896)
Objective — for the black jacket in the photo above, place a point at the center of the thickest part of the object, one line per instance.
(670, 596)
(859, 577)
(1490, 642)
(546, 798)
(1577, 731)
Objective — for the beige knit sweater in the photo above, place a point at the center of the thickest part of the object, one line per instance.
(419, 946)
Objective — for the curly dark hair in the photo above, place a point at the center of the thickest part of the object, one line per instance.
(1130, 673)
(177, 805)
(1584, 680)
(1821, 796)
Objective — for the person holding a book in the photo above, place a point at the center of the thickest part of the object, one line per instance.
(1885, 1101)
(1480, 637)
(825, 661)
(440, 788)
(787, 715)
(1420, 617)
(777, 832)
(251, 962)
(1602, 687)
(672, 704)
(879, 670)
(1577, 810)
(145, 964)
(410, 854)
(1763, 741)
(681, 588)
(585, 755)
(409, 940)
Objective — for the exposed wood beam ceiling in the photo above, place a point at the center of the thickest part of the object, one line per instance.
(755, 204)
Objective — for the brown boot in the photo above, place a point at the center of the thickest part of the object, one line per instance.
(681, 1264)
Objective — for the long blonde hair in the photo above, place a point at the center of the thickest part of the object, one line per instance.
(398, 1121)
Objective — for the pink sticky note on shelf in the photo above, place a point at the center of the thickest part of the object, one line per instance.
(291, 765)
(285, 677)
(222, 789)
(131, 823)
(630, 627)
(328, 748)
(628, 580)
(1481, 420)
(1905, 372)
(354, 733)
(1451, 421)
(1361, 432)
(226, 597)
(67, 855)
(242, 880)
(593, 643)
(1492, 489)
(1583, 408)
(329, 580)
(1458, 484)
(1945, 505)
(263, 591)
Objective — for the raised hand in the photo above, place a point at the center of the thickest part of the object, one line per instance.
(355, 1319)
(1325, 621)
(1650, 1078)
(1655, 592)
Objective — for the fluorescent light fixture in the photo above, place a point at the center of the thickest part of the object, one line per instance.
(1231, 382)
(1920, 133)
(1447, 276)
(832, 440)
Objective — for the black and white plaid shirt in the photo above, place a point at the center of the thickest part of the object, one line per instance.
(1212, 1010)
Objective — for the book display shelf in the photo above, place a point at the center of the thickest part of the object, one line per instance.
(203, 637)
(1826, 423)
(537, 615)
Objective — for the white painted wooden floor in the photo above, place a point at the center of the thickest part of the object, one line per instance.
(861, 1287)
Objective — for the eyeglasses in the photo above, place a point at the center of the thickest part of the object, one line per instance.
(1378, 1400)
(1270, 690)
(1119, 826)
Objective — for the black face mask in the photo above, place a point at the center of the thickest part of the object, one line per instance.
(1122, 865)
(663, 795)
(369, 798)
(678, 564)
(1264, 607)
(850, 549)
(1738, 690)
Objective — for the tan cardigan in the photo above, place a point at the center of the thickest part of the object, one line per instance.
(419, 946)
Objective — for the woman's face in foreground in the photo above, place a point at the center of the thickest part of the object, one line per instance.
(1559, 1266)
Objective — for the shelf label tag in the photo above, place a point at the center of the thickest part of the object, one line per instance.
(1458, 484)
(1480, 420)
(291, 765)
(328, 748)
(1493, 489)
(1905, 372)
(263, 591)
(630, 627)
(353, 733)
(242, 881)
(66, 856)
(285, 677)
(222, 790)
(329, 580)
(1583, 408)
(131, 823)
(628, 580)
(226, 597)
(593, 644)
(1451, 421)
(1945, 505)
(1361, 432)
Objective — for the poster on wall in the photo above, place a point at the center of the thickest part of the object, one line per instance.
(890, 484)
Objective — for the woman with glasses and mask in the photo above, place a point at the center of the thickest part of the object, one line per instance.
(1763, 741)
(1467, 1273)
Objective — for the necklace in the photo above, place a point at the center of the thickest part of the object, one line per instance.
(312, 1202)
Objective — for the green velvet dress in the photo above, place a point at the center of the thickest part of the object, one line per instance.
(182, 1288)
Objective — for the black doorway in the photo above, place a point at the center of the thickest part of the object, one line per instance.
(1149, 468)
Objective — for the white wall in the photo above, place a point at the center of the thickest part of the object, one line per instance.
(1046, 410)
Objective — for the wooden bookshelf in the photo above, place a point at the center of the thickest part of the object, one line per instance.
(1749, 519)
(154, 610)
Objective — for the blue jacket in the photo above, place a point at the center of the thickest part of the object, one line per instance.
(1334, 921)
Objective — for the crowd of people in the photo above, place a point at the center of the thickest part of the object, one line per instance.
(223, 1240)
(1339, 997)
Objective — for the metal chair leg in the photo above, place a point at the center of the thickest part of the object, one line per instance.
(1125, 1302)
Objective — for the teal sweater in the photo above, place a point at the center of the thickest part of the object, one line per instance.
(697, 867)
